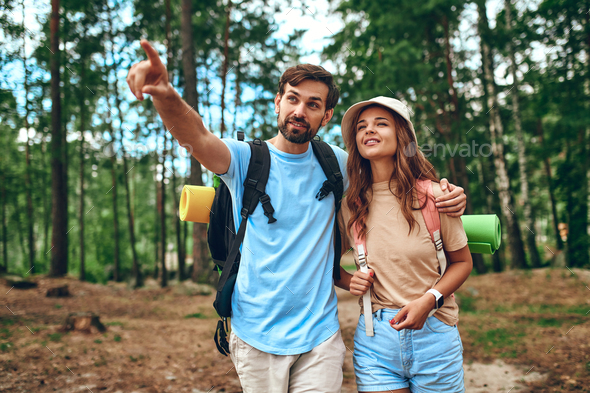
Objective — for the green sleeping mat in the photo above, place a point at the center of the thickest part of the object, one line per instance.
(484, 233)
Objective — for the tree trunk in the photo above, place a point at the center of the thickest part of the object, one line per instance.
(46, 197)
(113, 190)
(163, 245)
(517, 254)
(200, 250)
(4, 266)
(587, 163)
(137, 276)
(179, 245)
(28, 186)
(459, 173)
(17, 223)
(489, 198)
(237, 102)
(157, 222)
(59, 239)
(82, 214)
(577, 194)
(224, 71)
(522, 160)
(547, 167)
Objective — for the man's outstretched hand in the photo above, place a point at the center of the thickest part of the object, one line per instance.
(149, 76)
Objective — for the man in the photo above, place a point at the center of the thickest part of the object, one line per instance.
(285, 333)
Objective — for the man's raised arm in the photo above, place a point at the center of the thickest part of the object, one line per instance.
(184, 123)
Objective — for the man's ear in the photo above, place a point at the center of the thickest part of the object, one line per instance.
(327, 116)
(277, 102)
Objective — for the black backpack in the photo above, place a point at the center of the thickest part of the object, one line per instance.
(224, 244)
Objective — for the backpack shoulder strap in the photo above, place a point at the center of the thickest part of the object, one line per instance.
(361, 247)
(334, 183)
(329, 163)
(254, 185)
(432, 219)
(256, 179)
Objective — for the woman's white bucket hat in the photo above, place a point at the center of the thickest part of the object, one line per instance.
(348, 129)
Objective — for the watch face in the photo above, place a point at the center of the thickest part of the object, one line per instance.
(440, 302)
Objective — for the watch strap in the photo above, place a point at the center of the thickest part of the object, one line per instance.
(439, 299)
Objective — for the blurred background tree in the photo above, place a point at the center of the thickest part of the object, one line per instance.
(498, 92)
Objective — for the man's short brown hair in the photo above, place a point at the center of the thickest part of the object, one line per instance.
(297, 74)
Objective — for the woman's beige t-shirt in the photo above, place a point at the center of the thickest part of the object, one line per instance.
(405, 265)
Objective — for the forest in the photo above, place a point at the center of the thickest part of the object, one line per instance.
(90, 179)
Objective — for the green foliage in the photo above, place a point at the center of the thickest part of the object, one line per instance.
(425, 53)
(7, 322)
(5, 333)
(6, 346)
(55, 337)
(388, 49)
(196, 315)
(467, 302)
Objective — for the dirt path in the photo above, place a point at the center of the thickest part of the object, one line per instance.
(158, 340)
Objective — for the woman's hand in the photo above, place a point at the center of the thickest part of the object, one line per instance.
(414, 314)
(361, 282)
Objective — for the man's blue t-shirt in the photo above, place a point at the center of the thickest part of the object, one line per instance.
(284, 300)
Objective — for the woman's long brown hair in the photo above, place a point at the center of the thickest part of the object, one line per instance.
(410, 165)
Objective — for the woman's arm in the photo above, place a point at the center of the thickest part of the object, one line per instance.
(414, 314)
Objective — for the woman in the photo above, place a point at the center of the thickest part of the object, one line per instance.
(410, 350)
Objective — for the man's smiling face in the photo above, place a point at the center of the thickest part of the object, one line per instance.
(302, 111)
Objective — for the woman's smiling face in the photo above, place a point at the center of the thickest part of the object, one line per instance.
(376, 136)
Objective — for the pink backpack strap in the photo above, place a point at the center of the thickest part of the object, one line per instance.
(432, 220)
(429, 211)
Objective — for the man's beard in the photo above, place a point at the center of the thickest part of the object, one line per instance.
(296, 136)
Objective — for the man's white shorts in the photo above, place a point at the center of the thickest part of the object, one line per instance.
(319, 370)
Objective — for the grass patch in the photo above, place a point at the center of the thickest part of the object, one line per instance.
(5, 333)
(117, 338)
(550, 322)
(467, 303)
(499, 338)
(114, 323)
(196, 315)
(558, 309)
(7, 322)
(510, 354)
(7, 346)
(55, 337)
(97, 341)
(58, 306)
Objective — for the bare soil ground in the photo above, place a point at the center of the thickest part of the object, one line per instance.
(525, 331)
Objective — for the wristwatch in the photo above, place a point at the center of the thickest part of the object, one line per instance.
(440, 300)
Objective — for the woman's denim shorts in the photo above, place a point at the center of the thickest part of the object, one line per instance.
(426, 360)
